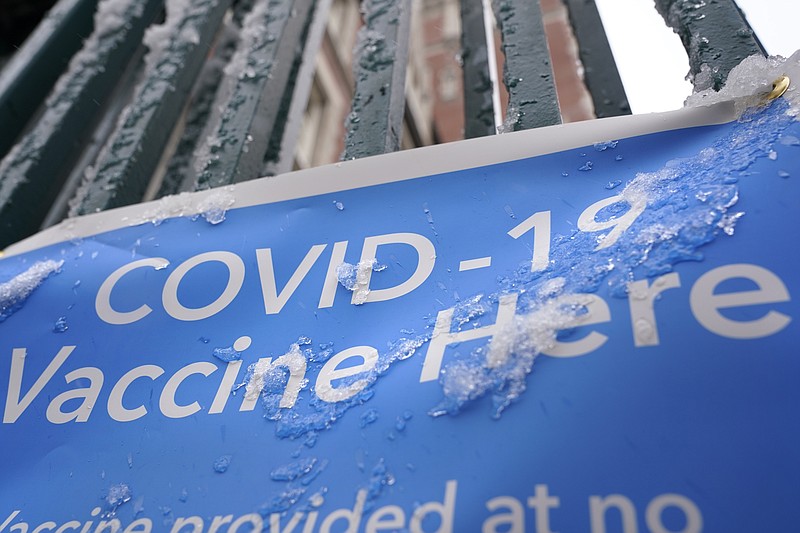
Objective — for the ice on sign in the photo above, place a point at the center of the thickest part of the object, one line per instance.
(512, 345)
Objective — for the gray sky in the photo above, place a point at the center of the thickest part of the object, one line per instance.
(650, 56)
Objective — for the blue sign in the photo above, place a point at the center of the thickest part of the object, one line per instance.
(599, 339)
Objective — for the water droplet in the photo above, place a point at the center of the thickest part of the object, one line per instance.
(61, 325)
(369, 417)
(222, 463)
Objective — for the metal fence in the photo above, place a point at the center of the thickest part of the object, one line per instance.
(97, 113)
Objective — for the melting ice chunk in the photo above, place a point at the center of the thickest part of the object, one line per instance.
(61, 325)
(14, 292)
(116, 496)
(222, 463)
(751, 80)
(232, 353)
(355, 278)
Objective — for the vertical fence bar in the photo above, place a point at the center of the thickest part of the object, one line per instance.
(478, 105)
(280, 159)
(599, 68)
(375, 123)
(716, 37)
(117, 101)
(35, 67)
(527, 72)
(180, 168)
(254, 101)
(35, 169)
(177, 51)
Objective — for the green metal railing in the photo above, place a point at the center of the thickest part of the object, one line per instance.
(93, 118)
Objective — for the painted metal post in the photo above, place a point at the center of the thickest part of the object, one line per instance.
(254, 100)
(478, 105)
(527, 73)
(280, 156)
(121, 174)
(35, 169)
(599, 69)
(35, 67)
(715, 34)
(375, 124)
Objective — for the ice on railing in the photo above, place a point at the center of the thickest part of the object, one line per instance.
(212, 207)
(511, 120)
(379, 45)
(15, 292)
(248, 64)
(170, 47)
(112, 21)
(180, 175)
(749, 81)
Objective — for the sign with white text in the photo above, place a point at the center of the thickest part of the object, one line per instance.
(597, 336)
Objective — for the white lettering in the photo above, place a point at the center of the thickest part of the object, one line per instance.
(641, 297)
(119, 412)
(331, 278)
(194, 521)
(706, 304)
(253, 519)
(540, 223)
(89, 394)
(324, 387)
(112, 525)
(395, 519)
(274, 302)
(587, 220)
(512, 521)
(542, 502)
(14, 407)
(102, 302)
(442, 336)
(694, 520)
(353, 517)
(597, 312)
(140, 525)
(426, 254)
(275, 523)
(225, 387)
(167, 402)
(8, 520)
(597, 512)
(445, 510)
(177, 310)
(218, 522)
